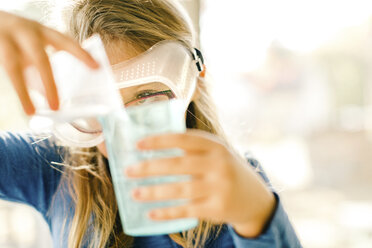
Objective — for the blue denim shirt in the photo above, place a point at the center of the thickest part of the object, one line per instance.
(27, 176)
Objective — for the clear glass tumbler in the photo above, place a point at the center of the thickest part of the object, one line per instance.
(122, 130)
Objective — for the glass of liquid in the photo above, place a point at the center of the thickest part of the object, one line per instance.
(122, 130)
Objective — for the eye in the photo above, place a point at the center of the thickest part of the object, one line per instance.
(146, 97)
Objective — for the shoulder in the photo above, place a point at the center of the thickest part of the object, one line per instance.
(30, 167)
(30, 145)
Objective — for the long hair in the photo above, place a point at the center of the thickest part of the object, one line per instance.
(140, 25)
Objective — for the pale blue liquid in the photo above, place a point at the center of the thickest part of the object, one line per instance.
(121, 135)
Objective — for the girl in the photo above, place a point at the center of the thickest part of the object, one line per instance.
(72, 188)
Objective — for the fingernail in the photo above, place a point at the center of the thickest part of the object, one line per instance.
(153, 214)
(30, 111)
(141, 144)
(95, 64)
(129, 170)
(137, 193)
(54, 105)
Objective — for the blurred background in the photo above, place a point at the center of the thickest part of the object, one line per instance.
(292, 80)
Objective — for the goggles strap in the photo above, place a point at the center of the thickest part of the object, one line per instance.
(198, 57)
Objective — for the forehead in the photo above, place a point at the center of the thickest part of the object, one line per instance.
(119, 51)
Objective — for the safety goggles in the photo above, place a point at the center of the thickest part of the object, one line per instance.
(165, 71)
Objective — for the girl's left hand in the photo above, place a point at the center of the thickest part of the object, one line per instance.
(223, 188)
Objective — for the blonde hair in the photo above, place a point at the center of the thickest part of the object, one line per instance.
(140, 24)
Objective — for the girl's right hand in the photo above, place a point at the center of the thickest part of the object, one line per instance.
(23, 43)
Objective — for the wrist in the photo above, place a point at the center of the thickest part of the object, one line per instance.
(255, 227)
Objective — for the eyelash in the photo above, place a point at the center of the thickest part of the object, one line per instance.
(148, 93)
(145, 93)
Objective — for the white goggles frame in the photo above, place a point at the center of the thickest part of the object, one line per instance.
(167, 62)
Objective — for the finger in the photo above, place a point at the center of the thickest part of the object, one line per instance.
(34, 50)
(192, 209)
(184, 165)
(63, 42)
(11, 61)
(190, 141)
(172, 191)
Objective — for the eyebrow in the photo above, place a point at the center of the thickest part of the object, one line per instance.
(155, 86)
